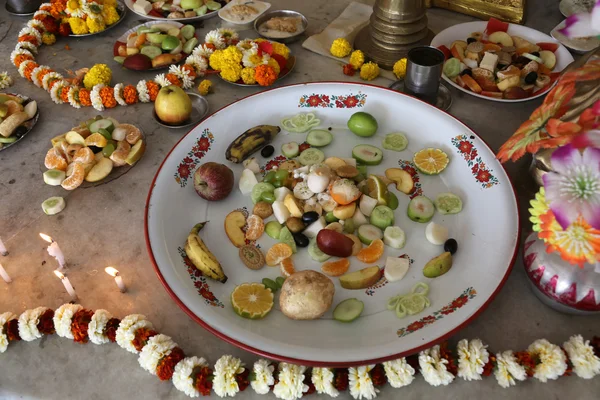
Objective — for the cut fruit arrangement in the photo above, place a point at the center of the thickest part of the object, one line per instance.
(15, 112)
(496, 64)
(177, 9)
(335, 208)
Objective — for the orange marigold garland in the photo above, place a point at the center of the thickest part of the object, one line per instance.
(166, 366)
(107, 95)
(84, 97)
(265, 75)
(141, 337)
(29, 69)
(79, 326)
(153, 89)
(46, 324)
(29, 38)
(111, 327)
(173, 79)
(202, 380)
(64, 93)
(20, 58)
(130, 94)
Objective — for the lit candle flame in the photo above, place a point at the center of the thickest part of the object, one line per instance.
(111, 271)
(46, 237)
(59, 274)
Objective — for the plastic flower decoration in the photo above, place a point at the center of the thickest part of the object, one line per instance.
(583, 25)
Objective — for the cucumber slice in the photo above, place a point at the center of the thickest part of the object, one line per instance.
(285, 236)
(452, 68)
(448, 203)
(319, 138)
(54, 177)
(395, 141)
(119, 59)
(200, 11)
(151, 51)
(394, 237)
(258, 189)
(382, 217)
(102, 124)
(311, 156)
(188, 31)
(10, 139)
(53, 205)
(315, 253)
(290, 150)
(348, 310)
(367, 233)
(367, 154)
(420, 209)
(190, 45)
(144, 29)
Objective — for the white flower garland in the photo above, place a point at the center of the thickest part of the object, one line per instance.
(182, 379)
(95, 97)
(162, 80)
(322, 378)
(97, 325)
(158, 346)
(203, 51)
(472, 357)
(263, 376)
(126, 332)
(291, 382)
(508, 370)
(585, 363)
(215, 38)
(553, 362)
(360, 383)
(117, 92)
(23, 66)
(184, 75)
(4, 318)
(73, 101)
(63, 317)
(399, 372)
(143, 94)
(226, 368)
(49, 77)
(34, 74)
(28, 330)
(433, 367)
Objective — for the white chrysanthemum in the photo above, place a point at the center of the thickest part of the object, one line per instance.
(508, 369)
(87, 9)
(246, 44)
(433, 367)
(399, 372)
(224, 382)
(56, 90)
(203, 51)
(97, 325)
(472, 356)
(182, 379)
(162, 80)
(263, 376)
(49, 77)
(4, 318)
(118, 93)
(229, 34)
(95, 97)
(157, 347)
(553, 362)
(34, 23)
(44, 5)
(250, 59)
(31, 31)
(73, 101)
(214, 37)
(126, 331)
(183, 74)
(63, 317)
(35, 74)
(16, 52)
(41, 12)
(142, 90)
(27, 46)
(5, 80)
(23, 66)
(360, 382)
(291, 382)
(28, 330)
(198, 63)
(585, 363)
(322, 378)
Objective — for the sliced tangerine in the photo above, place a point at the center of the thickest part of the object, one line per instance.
(431, 161)
(372, 252)
(54, 160)
(96, 139)
(336, 268)
(278, 253)
(287, 267)
(75, 177)
(255, 227)
(84, 155)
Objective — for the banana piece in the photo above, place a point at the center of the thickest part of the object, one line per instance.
(202, 257)
(250, 141)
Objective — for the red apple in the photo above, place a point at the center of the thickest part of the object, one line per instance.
(213, 181)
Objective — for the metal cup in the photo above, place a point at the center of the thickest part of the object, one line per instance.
(423, 73)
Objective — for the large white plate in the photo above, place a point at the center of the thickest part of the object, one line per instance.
(487, 229)
(463, 31)
(129, 4)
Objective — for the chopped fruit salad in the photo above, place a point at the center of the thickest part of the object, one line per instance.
(174, 9)
(16, 117)
(499, 65)
(89, 151)
(340, 209)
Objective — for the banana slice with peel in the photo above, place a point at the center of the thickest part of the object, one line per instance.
(202, 257)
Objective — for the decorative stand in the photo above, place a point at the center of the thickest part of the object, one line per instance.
(396, 27)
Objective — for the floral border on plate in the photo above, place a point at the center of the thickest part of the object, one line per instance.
(332, 101)
(200, 282)
(190, 162)
(479, 169)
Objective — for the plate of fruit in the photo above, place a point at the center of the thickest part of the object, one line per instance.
(176, 10)
(155, 45)
(336, 229)
(499, 61)
(96, 151)
(18, 116)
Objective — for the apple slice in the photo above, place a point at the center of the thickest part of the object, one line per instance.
(100, 170)
(73, 137)
(501, 37)
(404, 181)
(234, 222)
(136, 152)
(361, 279)
(344, 211)
(548, 58)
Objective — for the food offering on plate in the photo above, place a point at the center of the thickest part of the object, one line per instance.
(153, 46)
(82, 17)
(18, 114)
(339, 209)
(242, 12)
(496, 64)
(177, 9)
(281, 25)
(90, 151)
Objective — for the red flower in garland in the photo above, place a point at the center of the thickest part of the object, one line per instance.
(242, 380)
(524, 359)
(46, 324)
(308, 382)
(166, 366)
(202, 378)
(378, 375)
(488, 368)
(111, 329)
(446, 354)
(141, 337)
(340, 380)
(12, 330)
(79, 325)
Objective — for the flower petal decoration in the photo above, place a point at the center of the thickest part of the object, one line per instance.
(583, 25)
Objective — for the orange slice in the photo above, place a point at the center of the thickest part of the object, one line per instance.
(96, 139)
(287, 267)
(84, 155)
(75, 175)
(278, 253)
(54, 160)
(431, 161)
(371, 253)
(336, 268)
(255, 227)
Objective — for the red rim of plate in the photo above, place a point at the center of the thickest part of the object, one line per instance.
(273, 356)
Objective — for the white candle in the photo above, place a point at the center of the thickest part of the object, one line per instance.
(4, 275)
(67, 284)
(3, 248)
(55, 251)
(118, 278)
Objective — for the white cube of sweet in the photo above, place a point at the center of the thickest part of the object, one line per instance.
(142, 6)
(489, 61)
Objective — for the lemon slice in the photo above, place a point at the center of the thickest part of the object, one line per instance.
(377, 189)
(431, 161)
(252, 300)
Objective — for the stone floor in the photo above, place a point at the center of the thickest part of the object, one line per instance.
(104, 225)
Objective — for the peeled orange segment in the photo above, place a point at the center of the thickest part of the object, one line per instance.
(287, 267)
(278, 253)
(54, 160)
(252, 300)
(336, 268)
(75, 175)
(431, 161)
(372, 252)
(255, 227)
(84, 155)
(96, 139)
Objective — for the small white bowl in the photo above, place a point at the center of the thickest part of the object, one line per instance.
(260, 6)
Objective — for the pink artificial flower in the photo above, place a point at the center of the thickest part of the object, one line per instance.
(584, 24)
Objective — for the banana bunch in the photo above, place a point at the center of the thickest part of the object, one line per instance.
(201, 257)
(250, 141)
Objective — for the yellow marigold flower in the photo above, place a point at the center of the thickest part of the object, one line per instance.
(78, 26)
(231, 72)
(369, 71)
(48, 38)
(281, 49)
(110, 3)
(110, 15)
(357, 59)
(232, 53)
(95, 24)
(216, 60)
(99, 73)
(204, 87)
(400, 68)
(340, 48)
(275, 65)
(248, 76)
